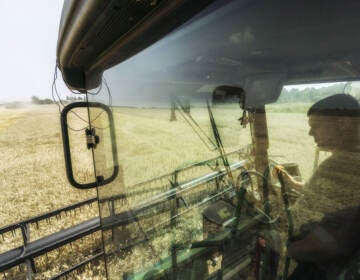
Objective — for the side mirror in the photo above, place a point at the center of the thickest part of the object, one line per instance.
(89, 144)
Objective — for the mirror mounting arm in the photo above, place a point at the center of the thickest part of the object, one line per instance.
(91, 138)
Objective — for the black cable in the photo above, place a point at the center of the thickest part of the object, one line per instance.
(109, 105)
(197, 133)
(109, 92)
(54, 92)
(191, 121)
(53, 88)
(196, 124)
(97, 92)
(220, 146)
(60, 104)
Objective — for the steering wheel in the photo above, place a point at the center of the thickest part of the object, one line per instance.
(264, 203)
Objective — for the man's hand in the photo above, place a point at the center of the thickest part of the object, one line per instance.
(279, 169)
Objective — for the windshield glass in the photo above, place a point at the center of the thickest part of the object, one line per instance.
(228, 149)
(224, 170)
(171, 169)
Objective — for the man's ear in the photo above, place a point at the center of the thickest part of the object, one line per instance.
(345, 123)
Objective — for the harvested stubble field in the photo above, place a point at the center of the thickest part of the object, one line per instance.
(32, 171)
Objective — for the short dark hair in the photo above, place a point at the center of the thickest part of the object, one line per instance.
(336, 105)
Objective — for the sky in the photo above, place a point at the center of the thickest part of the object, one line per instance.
(28, 40)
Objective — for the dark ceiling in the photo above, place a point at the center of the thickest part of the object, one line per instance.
(307, 41)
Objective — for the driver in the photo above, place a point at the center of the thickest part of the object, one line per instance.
(326, 216)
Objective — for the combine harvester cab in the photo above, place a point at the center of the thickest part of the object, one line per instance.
(199, 150)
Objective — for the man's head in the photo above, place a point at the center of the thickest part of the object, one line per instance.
(334, 122)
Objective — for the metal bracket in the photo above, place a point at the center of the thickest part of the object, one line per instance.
(91, 138)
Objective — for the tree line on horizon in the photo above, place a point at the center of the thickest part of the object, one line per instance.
(312, 94)
(38, 101)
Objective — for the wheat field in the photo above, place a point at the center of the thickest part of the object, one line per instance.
(32, 172)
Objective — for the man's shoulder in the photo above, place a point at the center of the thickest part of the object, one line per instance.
(341, 162)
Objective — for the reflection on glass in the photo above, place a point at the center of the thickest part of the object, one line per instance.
(227, 191)
(168, 199)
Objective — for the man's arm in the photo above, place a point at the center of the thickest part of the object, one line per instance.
(337, 235)
(318, 245)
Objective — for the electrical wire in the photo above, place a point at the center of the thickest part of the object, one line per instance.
(109, 105)
(109, 92)
(196, 132)
(193, 124)
(220, 146)
(55, 93)
(97, 92)
(53, 89)
(58, 101)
